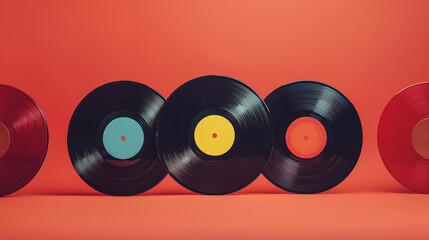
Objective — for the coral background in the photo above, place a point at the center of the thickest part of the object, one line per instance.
(58, 51)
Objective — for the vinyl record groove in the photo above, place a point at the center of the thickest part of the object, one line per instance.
(23, 139)
(214, 135)
(111, 138)
(317, 137)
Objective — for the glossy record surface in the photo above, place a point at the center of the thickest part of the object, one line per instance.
(343, 143)
(28, 139)
(94, 165)
(253, 135)
(400, 116)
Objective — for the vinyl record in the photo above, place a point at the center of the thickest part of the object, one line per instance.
(403, 137)
(23, 139)
(317, 137)
(111, 138)
(214, 135)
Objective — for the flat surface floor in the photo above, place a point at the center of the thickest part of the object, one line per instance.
(358, 215)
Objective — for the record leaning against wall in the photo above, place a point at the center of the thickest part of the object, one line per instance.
(23, 139)
(403, 137)
(111, 138)
(317, 137)
(214, 135)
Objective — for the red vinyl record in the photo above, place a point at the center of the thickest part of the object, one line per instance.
(23, 139)
(403, 137)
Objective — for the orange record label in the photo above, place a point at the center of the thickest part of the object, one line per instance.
(306, 137)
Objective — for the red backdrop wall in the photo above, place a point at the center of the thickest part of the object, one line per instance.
(58, 51)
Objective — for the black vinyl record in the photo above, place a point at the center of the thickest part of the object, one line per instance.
(317, 137)
(111, 138)
(214, 135)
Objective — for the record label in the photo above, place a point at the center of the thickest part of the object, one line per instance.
(420, 138)
(306, 137)
(214, 135)
(123, 138)
(4, 139)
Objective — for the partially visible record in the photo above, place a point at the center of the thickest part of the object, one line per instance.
(317, 137)
(23, 139)
(214, 135)
(403, 137)
(111, 138)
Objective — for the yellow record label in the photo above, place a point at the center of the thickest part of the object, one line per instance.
(214, 135)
